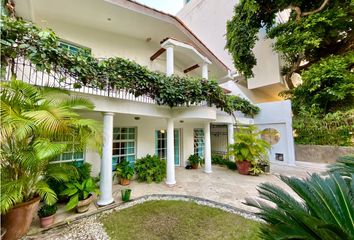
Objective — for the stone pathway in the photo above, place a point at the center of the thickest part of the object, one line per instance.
(222, 186)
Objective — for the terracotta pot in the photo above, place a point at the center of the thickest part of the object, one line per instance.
(84, 205)
(47, 221)
(18, 220)
(195, 166)
(124, 181)
(243, 167)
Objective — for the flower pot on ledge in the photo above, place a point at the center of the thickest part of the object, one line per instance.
(124, 181)
(243, 167)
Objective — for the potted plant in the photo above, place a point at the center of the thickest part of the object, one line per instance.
(80, 194)
(255, 170)
(29, 144)
(126, 194)
(125, 172)
(248, 148)
(46, 215)
(194, 161)
(264, 164)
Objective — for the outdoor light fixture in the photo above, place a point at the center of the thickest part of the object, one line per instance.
(162, 131)
(181, 121)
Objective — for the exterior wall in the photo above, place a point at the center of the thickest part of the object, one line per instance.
(200, 13)
(104, 44)
(321, 154)
(145, 137)
(277, 115)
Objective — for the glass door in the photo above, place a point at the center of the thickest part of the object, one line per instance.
(161, 145)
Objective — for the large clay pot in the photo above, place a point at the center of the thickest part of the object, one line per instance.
(18, 220)
(47, 221)
(124, 181)
(84, 205)
(243, 167)
(195, 166)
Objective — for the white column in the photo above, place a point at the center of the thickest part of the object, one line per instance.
(205, 70)
(230, 137)
(169, 60)
(106, 162)
(170, 153)
(207, 148)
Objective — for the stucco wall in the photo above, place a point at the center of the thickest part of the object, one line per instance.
(320, 154)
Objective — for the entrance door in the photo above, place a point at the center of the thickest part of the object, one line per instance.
(161, 145)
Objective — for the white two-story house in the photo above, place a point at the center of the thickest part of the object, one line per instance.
(134, 127)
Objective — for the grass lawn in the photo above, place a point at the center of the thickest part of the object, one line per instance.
(177, 220)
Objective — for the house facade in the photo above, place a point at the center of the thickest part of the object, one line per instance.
(136, 126)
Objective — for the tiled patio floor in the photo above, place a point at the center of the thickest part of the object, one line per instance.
(223, 185)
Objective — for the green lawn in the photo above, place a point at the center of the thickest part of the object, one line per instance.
(177, 220)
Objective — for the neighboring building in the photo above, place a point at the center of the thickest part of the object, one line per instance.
(134, 127)
(207, 19)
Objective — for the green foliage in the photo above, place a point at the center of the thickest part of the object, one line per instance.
(344, 166)
(327, 86)
(312, 33)
(150, 169)
(125, 170)
(248, 145)
(330, 129)
(78, 191)
(84, 171)
(221, 161)
(255, 170)
(194, 159)
(41, 47)
(38, 124)
(322, 209)
(47, 210)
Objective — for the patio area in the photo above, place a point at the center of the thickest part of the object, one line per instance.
(223, 186)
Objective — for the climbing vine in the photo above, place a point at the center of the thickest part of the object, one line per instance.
(41, 47)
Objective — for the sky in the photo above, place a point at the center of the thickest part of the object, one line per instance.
(168, 6)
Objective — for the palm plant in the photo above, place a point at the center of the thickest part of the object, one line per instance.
(323, 208)
(249, 146)
(39, 124)
(344, 166)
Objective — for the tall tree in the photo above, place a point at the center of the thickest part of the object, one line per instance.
(315, 31)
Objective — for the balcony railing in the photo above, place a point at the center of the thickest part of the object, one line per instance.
(26, 71)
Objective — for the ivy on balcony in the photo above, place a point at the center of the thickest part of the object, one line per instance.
(20, 38)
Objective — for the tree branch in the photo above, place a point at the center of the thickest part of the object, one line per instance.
(325, 2)
(297, 10)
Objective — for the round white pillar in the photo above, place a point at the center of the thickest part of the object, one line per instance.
(207, 148)
(105, 197)
(230, 137)
(205, 70)
(169, 60)
(170, 179)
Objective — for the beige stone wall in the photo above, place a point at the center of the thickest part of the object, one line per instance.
(320, 154)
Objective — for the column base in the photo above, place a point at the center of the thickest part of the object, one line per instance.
(102, 203)
(170, 184)
(207, 171)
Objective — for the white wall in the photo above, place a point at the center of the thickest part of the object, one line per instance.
(278, 115)
(145, 138)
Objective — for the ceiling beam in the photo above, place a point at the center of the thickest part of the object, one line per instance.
(191, 68)
(157, 54)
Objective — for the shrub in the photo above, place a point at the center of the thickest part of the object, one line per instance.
(84, 171)
(221, 161)
(125, 170)
(47, 210)
(194, 159)
(150, 169)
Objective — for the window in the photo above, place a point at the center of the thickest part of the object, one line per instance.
(72, 48)
(271, 135)
(70, 157)
(124, 140)
(161, 144)
(199, 142)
